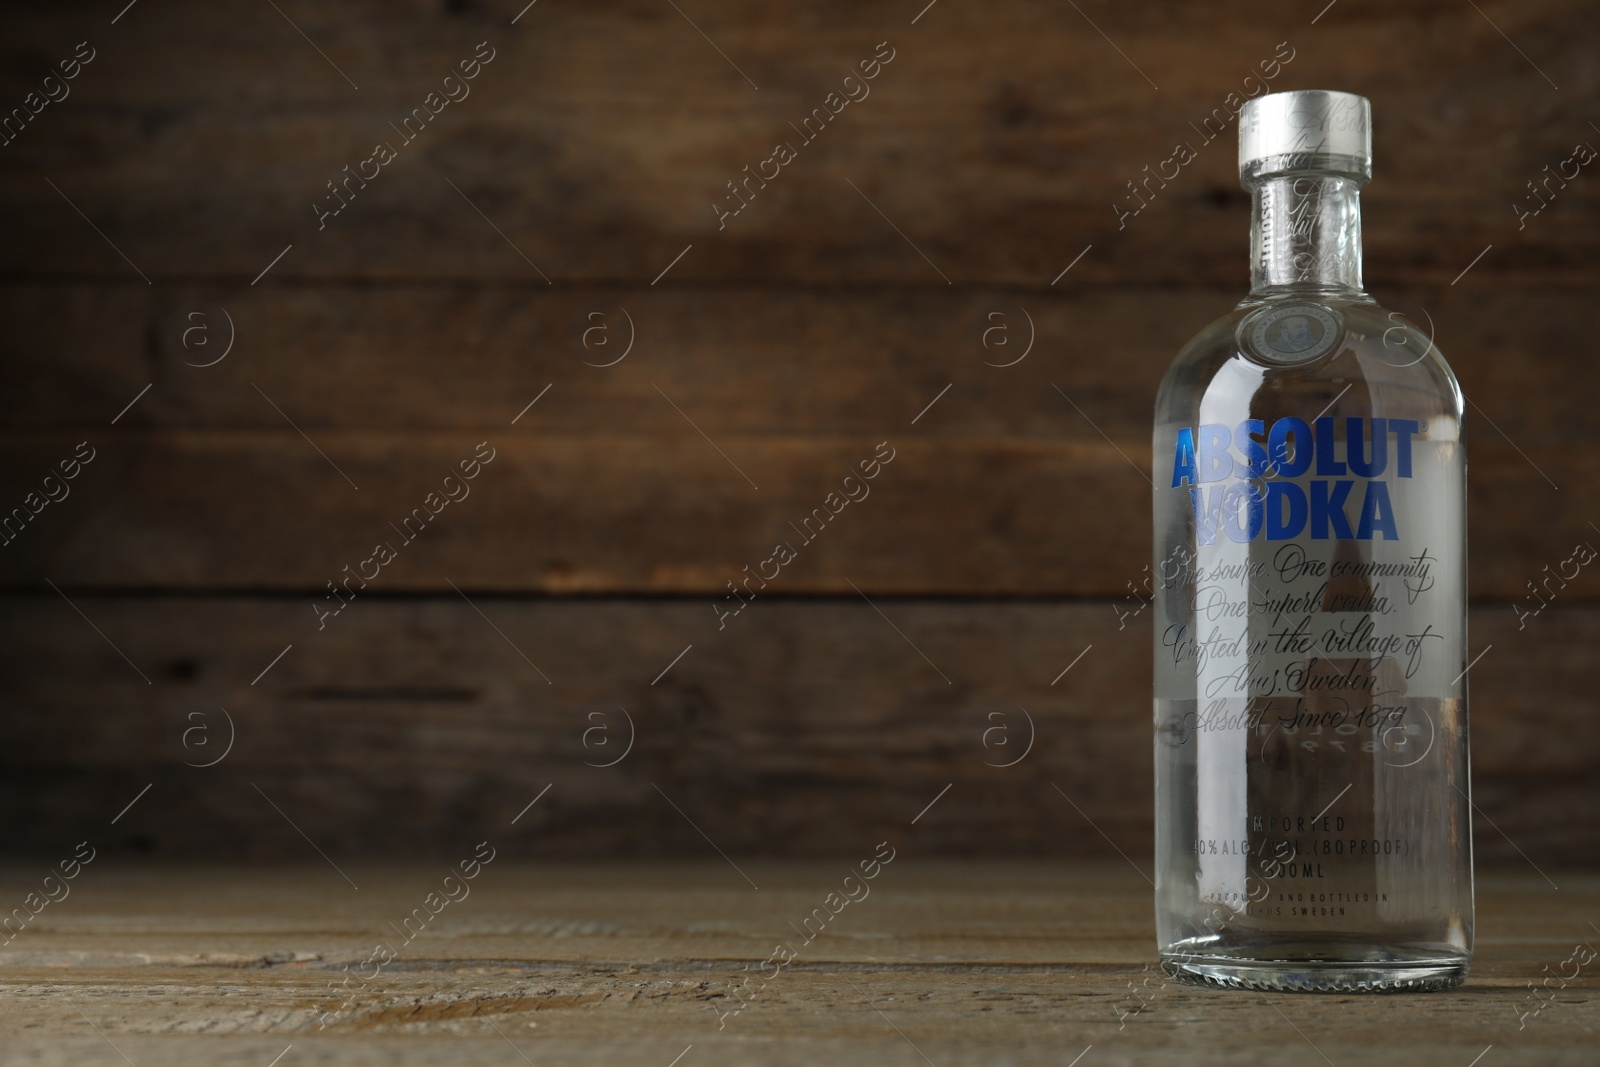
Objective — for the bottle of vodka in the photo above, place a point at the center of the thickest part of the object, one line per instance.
(1312, 803)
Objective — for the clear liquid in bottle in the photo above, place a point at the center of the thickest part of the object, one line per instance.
(1312, 813)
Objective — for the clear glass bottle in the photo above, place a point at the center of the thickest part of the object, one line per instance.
(1312, 814)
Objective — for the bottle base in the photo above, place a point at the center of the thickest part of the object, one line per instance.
(1304, 969)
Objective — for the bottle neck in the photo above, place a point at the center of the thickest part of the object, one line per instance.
(1305, 234)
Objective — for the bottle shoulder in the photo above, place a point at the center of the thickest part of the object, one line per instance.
(1272, 355)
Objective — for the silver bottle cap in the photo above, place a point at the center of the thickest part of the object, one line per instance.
(1306, 130)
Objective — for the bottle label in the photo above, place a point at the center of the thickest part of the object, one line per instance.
(1322, 566)
(1290, 334)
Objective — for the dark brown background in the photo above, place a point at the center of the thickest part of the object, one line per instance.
(999, 541)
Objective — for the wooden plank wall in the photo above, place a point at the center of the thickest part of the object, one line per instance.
(703, 381)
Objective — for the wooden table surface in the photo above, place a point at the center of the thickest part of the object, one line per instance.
(946, 963)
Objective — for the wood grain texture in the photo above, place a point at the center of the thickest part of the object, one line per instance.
(798, 726)
(248, 510)
(998, 140)
(777, 350)
(745, 359)
(634, 964)
(1021, 480)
